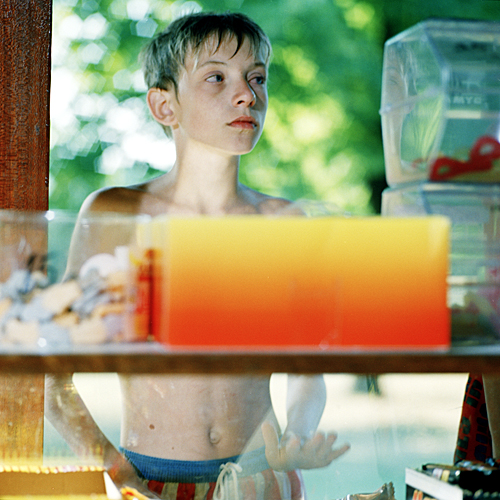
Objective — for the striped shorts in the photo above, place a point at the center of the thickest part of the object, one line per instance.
(243, 477)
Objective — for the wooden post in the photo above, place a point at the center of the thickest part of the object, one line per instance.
(21, 419)
(25, 28)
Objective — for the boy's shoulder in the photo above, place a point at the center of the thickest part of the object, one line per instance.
(113, 199)
(141, 200)
(133, 200)
(271, 205)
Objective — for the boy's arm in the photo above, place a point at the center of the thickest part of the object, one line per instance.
(67, 412)
(301, 446)
(64, 407)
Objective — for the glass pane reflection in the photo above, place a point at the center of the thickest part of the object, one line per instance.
(391, 422)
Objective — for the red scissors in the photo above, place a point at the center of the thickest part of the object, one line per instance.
(485, 150)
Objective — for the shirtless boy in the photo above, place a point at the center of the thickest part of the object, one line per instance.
(207, 87)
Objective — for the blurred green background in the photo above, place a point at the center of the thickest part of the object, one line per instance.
(322, 139)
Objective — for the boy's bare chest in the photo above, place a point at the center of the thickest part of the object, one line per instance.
(224, 393)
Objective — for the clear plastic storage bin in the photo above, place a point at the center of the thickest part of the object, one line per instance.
(440, 105)
(67, 281)
(474, 273)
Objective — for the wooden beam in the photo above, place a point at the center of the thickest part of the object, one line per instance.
(25, 31)
(137, 358)
(21, 419)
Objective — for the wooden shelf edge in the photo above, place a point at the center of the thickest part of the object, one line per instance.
(156, 359)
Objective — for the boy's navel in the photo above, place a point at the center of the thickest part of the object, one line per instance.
(214, 436)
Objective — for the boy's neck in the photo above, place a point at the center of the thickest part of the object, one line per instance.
(206, 184)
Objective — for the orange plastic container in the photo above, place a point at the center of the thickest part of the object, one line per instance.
(320, 283)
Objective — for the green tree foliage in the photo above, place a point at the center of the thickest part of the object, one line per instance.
(322, 140)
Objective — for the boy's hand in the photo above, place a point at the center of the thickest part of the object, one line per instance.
(292, 453)
(125, 478)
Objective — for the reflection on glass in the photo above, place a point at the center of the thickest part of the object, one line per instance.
(391, 422)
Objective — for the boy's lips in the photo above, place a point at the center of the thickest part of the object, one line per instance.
(246, 122)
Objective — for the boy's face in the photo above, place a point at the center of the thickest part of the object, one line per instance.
(222, 98)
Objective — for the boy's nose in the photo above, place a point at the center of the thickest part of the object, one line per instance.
(244, 95)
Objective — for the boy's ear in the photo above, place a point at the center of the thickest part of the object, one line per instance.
(159, 103)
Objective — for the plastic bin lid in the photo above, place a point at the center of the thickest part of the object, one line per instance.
(437, 54)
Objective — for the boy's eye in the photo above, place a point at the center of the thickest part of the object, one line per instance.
(258, 79)
(215, 78)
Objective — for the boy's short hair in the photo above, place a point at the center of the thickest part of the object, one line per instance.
(165, 55)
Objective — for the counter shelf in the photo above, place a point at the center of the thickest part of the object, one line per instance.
(155, 358)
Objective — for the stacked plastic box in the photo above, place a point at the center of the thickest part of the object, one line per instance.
(440, 115)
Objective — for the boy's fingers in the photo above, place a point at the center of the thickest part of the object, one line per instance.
(271, 441)
(328, 441)
(340, 451)
(318, 439)
(316, 452)
(293, 446)
(331, 438)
